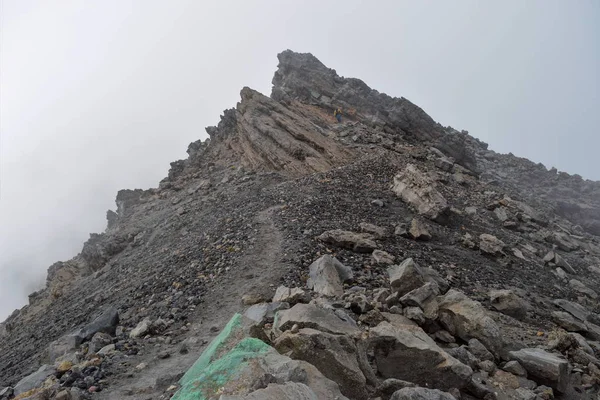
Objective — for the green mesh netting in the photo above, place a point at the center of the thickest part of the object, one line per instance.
(222, 361)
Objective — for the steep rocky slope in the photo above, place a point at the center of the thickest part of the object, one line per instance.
(420, 256)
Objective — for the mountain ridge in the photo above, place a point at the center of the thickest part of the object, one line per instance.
(209, 231)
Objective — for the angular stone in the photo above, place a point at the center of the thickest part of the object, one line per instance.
(583, 344)
(468, 319)
(142, 328)
(406, 277)
(99, 340)
(419, 393)
(515, 368)
(554, 257)
(311, 316)
(575, 309)
(407, 353)
(507, 302)
(546, 367)
(334, 355)
(578, 286)
(324, 278)
(419, 296)
(479, 350)
(418, 230)
(360, 243)
(264, 312)
(34, 380)
(291, 296)
(501, 214)
(383, 258)
(568, 322)
(377, 231)
(490, 244)
(444, 164)
(418, 190)
(463, 354)
(107, 323)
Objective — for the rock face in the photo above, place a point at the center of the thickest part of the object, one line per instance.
(409, 354)
(417, 189)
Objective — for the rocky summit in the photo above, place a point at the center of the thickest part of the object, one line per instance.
(292, 256)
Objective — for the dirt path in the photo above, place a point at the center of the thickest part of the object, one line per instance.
(257, 271)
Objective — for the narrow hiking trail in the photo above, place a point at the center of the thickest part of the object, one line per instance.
(258, 271)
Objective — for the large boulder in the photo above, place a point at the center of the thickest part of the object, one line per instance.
(358, 242)
(334, 355)
(311, 316)
(34, 380)
(418, 190)
(547, 368)
(406, 352)
(406, 277)
(327, 275)
(236, 365)
(419, 393)
(106, 323)
(468, 319)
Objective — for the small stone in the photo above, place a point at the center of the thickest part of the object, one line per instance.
(480, 351)
(141, 366)
(418, 230)
(64, 366)
(141, 329)
(295, 328)
(487, 366)
(490, 244)
(377, 202)
(252, 298)
(163, 354)
(383, 258)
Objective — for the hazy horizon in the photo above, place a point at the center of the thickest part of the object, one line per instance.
(102, 96)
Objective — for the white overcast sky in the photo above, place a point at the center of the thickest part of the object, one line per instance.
(96, 96)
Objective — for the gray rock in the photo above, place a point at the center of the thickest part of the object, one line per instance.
(490, 244)
(419, 296)
(546, 367)
(583, 344)
(327, 275)
(378, 232)
(554, 257)
(578, 286)
(311, 316)
(479, 350)
(360, 243)
(471, 210)
(415, 314)
(568, 322)
(100, 340)
(264, 312)
(406, 352)
(107, 323)
(142, 328)
(419, 393)
(276, 391)
(291, 296)
(106, 349)
(575, 309)
(515, 368)
(507, 302)
(34, 380)
(406, 277)
(335, 355)
(383, 258)
(467, 319)
(444, 164)
(463, 354)
(418, 230)
(390, 386)
(418, 190)
(501, 214)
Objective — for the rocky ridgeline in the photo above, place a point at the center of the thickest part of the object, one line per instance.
(292, 257)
